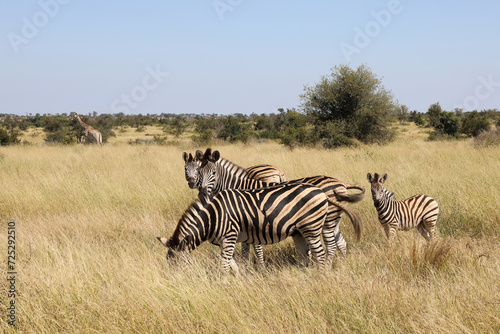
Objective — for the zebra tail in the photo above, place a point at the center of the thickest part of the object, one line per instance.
(351, 198)
(355, 219)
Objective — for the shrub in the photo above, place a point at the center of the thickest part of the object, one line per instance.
(419, 120)
(8, 139)
(488, 138)
(474, 123)
(449, 124)
(355, 97)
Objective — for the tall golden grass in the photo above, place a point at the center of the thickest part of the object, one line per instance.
(89, 262)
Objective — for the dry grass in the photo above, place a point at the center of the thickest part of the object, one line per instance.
(89, 262)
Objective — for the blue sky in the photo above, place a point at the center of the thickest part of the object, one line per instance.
(240, 56)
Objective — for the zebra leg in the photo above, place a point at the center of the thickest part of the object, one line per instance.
(227, 252)
(330, 245)
(340, 242)
(430, 226)
(390, 231)
(245, 251)
(259, 253)
(317, 249)
(423, 231)
(302, 248)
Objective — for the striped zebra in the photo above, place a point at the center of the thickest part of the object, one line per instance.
(419, 211)
(218, 174)
(265, 173)
(256, 216)
(191, 168)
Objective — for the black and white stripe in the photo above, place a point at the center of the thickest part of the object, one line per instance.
(418, 211)
(192, 167)
(257, 216)
(218, 174)
(265, 173)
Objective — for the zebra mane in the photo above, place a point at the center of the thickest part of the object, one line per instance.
(390, 194)
(193, 210)
(234, 168)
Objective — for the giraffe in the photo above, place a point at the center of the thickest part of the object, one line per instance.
(89, 132)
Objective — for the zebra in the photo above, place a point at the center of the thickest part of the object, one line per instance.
(218, 174)
(265, 173)
(419, 211)
(255, 216)
(191, 168)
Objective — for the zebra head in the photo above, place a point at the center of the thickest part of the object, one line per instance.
(378, 190)
(208, 173)
(177, 247)
(191, 168)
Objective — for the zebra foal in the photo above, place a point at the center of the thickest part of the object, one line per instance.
(419, 211)
(257, 216)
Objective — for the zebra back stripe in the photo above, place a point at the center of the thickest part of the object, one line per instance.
(258, 216)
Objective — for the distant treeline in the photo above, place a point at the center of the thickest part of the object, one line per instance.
(347, 107)
(289, 127)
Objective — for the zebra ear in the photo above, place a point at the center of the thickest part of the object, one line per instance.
(370, 177)
(207, 154)
(383, 178)
(198, 155)
(164, 241)
(185, 156)
(215, 156)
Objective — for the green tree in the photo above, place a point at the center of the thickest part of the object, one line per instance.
(419, 120)
(234, 129)
(58, 130)
(104, 123)
(7, 138)
(449, 124)
(474, 123)
(178, 125)
(355, 97)
(294, 130)
(403, 113)
(434, 114)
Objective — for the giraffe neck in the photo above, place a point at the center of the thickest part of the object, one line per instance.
(82, 123)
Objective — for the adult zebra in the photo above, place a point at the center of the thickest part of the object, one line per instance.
(419, 211)
(256, 216)
(191, 168)
(265, 173)
(218, 174)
